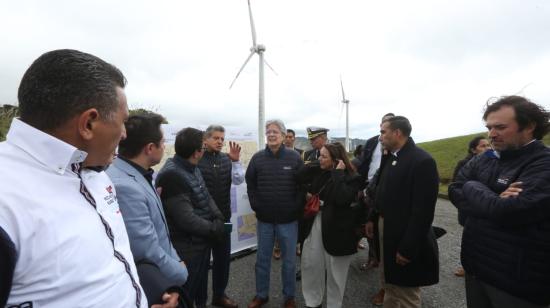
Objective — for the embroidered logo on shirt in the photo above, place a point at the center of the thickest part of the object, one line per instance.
(287, 168)
(110, 198)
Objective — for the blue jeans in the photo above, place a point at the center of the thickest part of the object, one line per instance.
(287, 234)
(221, 255)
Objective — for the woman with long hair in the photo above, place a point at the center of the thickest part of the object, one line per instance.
(331, 239)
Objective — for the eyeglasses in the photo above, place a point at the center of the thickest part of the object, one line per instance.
(272, 132)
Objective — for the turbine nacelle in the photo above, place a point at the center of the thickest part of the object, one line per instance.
(258, 48)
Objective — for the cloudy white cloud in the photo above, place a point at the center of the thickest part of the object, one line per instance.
(435, 62)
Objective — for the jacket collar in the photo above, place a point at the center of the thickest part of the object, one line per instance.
(212, 154)
(54, 153)
(406, 148)
(529, 148)
(280, 153)
(184, 163)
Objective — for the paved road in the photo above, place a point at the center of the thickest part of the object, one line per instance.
(362, 285)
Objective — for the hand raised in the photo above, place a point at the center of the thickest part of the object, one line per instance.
(234, 151)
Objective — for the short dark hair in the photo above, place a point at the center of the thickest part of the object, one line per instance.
(63, 83)
(188, 140)
(291, 131)
(526, 111)
(401, 123)
(141, 130)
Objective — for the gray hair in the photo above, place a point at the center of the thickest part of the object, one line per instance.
(213, 128)
(277, 122)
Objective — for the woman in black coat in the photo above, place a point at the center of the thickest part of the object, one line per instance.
(331, 235)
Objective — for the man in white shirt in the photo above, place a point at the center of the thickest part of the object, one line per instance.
(370, 162)
(58, 209)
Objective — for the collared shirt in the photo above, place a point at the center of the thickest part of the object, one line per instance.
(375, 161)
(66, 226)
(147, 173)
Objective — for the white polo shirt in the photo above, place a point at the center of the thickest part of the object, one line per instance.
(71, 242)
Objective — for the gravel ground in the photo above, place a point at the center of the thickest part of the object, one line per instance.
(361, 286)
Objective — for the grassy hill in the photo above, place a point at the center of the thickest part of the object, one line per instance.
(447, 152)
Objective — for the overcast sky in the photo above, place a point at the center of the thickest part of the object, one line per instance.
(435, 62)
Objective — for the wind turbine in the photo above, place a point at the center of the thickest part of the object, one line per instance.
(259, 49)
(346, 103)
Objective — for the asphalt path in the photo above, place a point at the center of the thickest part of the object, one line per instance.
(361, 286)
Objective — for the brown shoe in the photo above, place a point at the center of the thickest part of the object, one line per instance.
(290, 303)
(257, 302)
(378, 299)
(277, 253)
(459, 272)
(224, 302)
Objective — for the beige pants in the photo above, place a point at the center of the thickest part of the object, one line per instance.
(318, 266)
(397, 296)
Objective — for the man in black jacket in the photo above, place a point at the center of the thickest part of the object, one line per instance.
(406, 194)
(219, 171)
(369, 164)
(372, 154)
(505, 196)
(273, 194)
(194, 221)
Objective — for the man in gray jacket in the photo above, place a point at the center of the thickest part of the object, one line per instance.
(141, 206)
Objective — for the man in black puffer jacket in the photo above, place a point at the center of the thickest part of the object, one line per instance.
(219, 171)
(505, 196)
(273, 195)
(194, 220)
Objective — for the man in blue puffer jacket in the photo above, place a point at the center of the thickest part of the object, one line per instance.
(505, 194)
(273, 194)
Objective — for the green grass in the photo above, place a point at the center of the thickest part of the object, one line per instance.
(447, 152)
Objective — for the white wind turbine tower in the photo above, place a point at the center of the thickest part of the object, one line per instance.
(346, 103)
(259, 49)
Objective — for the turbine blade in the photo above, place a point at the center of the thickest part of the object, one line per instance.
(242, 67)
(265, 61)
(252, 25)
(343, 95)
